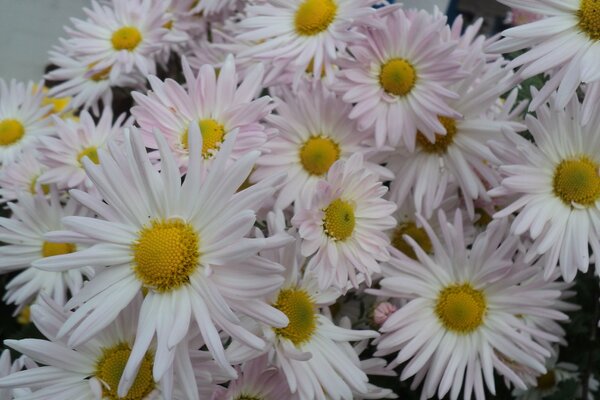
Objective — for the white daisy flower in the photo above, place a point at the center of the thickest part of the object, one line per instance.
(22, 176)
(557, 182)
(399, 86)
(7, 367)
(22, 119)
(344, 226)
(462, 319)
(183, 242)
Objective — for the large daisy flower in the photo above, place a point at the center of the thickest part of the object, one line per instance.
(557, 182)
(22, 176)
(215, 103)
(182, 242)
(22, 119)
(462, 319)
(345, 224)
(398, 81)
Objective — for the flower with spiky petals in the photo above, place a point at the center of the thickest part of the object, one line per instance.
(63, 155)
(25, 242)
(22, 176)
(215, 103)
(557, 184)
(314, 131)
(345, 224)
(183, 242)
(22, 119)
(399, 86)
(462, 318)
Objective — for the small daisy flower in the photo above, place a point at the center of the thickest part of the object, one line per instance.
(183, 242)
(22, 176)
(461, 321)
(22, 119)
(557, 182)
(397, 87)
(344, 227)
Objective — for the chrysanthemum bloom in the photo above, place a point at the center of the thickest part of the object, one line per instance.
(314, 131)
(557, 182)
(25, 242)
(462, 318)
(345, 224)
(461, 155)
(93, 370)
(303, 32)
(216, 104)
(22, 176)
(397, 85)
(22, 119)
(64, 155)
(183, 242)
(565, 41)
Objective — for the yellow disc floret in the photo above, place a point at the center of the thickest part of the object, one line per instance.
(314, 16)
(91, 153)
(577, 181)
(318, 154)
(397, 77)
(213, 134)
(109, 369)
(126, 38)
(50, 249)
(417, 233)
(297, 305)
(461, 308)
(11, 131)
(166, 254)
(589, 18)
(339, 220)
(442, 142)
(546, 381)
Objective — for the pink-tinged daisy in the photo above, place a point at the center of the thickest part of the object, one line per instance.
(314, 131)
(22, 119)
(345, 224)
(461, 155)
(303, 32)
(25, 242)
(217, 105)
(183, 242)
(565, 42)
(462, 319)
(22, 176)
(556, 182)
(63, 155)
(398, 81)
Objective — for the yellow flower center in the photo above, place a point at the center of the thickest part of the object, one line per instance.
(50, 249)
(33, 188)
(546, 381)
(109, 369)
(91, 153)
(314, 16)
(100, 75)
(442, 142)
(297, 305)
(417, 233)
(166, 254)
(461, 308)
(589, 18)
(24, 317)
(126, 38)
(318, 154)
(339, 219)
(397, 77)
(484, 218)
(248, 397)
(577, 181)
(168, 25)
(11, 131)
(213, 134)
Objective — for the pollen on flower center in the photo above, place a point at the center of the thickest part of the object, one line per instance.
(589, 18)
(100, 75)
(442, 142)
(546, 381)
(297, 305)
(339, 219)
(213, 134)
(577, 181)
(461, 308)
(91, 153)
(109, 369)
(126, 38)
(50, 249)
(11, 131)
(397, 77)
(33, 186)
(314, 16)
(165, 254)
(417, 233)
(318, 154)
